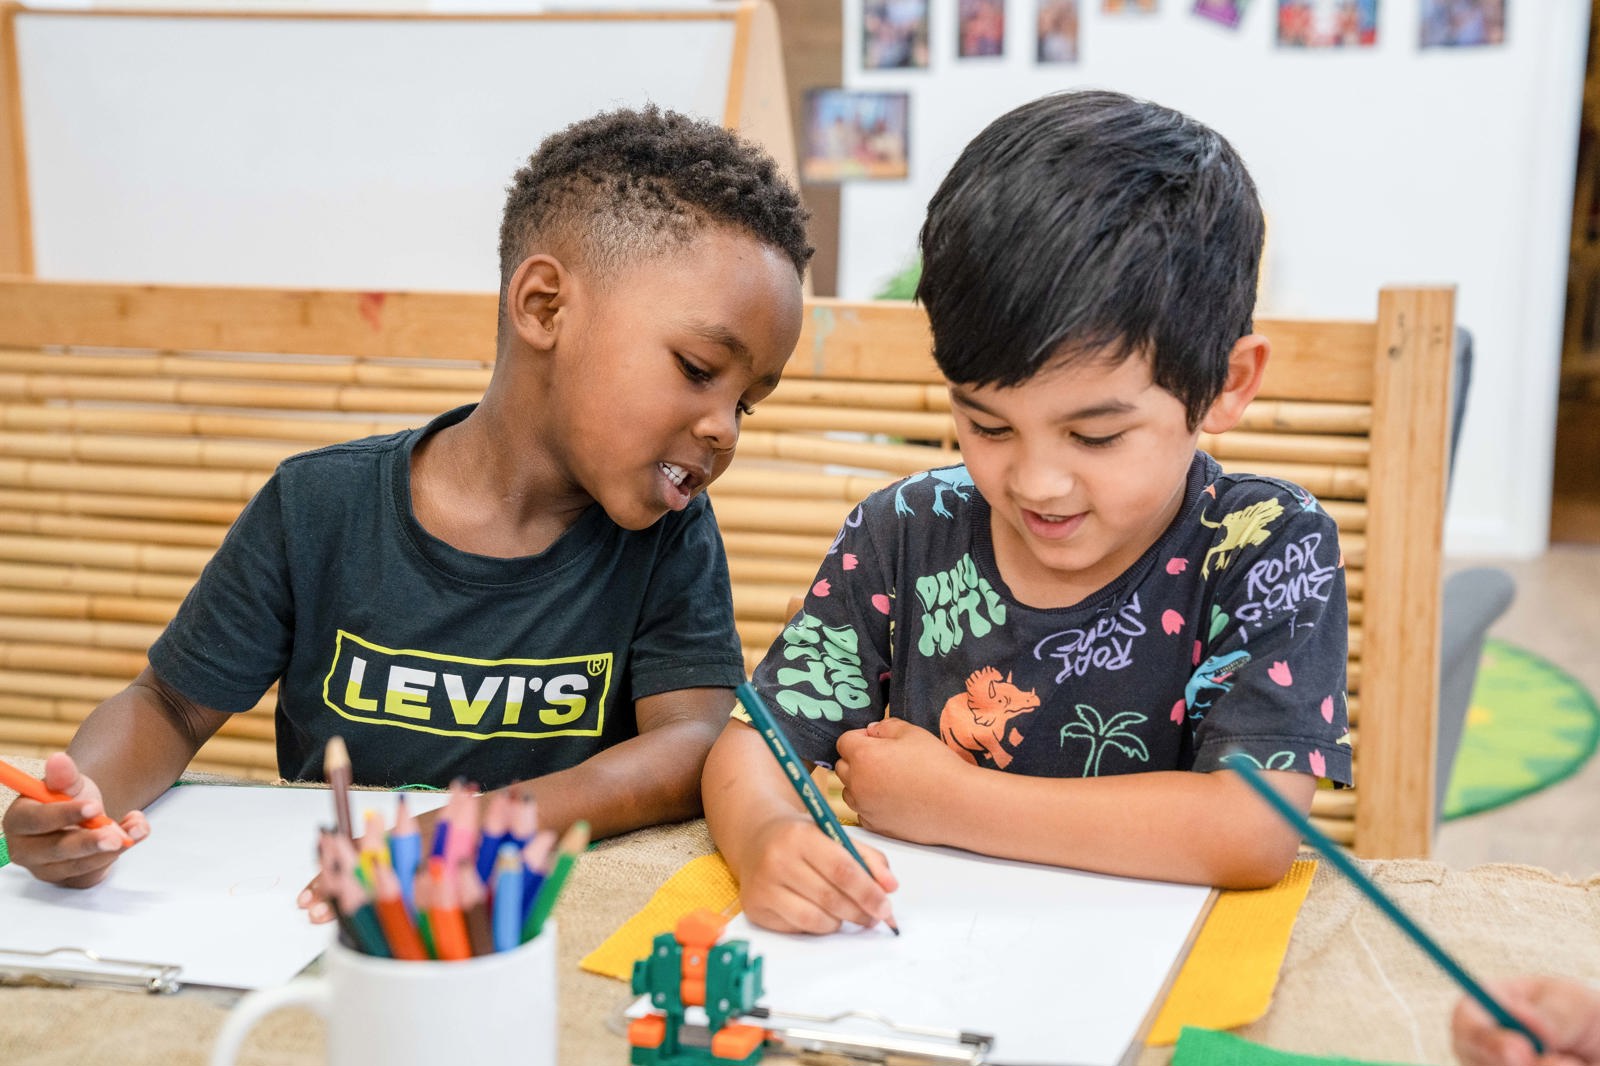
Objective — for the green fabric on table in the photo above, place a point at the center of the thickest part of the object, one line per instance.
(1208, 1047)
(5, 852)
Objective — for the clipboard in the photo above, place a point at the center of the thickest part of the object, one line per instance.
(82, 968)
(208, 898)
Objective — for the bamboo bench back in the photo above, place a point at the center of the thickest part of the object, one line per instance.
(136, 421)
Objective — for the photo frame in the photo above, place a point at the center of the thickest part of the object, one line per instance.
(981, 28)
(1327, 23)
(852, 134)
(894, 34)
(1461, 23)
(1056, 31)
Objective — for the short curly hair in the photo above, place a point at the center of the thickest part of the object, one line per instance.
(626, 185)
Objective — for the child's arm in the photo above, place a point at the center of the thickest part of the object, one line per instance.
(792, 877)
(128, 751)
(1200, 828)
(645, 780)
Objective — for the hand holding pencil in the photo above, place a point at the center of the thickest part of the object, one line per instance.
(58, 828)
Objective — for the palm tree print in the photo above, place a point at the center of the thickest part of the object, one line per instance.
(1103, 733)
(1280, 760)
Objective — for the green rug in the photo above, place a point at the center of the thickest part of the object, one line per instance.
(1530, 725)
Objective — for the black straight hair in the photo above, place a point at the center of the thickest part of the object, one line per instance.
(1093, 225)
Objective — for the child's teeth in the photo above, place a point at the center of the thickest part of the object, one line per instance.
(674, 474)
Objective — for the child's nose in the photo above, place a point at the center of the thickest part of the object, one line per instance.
(1041, 481)
(719, 427)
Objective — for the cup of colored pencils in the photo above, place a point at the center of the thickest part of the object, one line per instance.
(474, 890)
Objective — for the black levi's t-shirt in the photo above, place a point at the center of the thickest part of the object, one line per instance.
(1228, 635)
(433, 663)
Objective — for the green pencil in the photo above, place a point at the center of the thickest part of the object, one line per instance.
(573, 842)
(1330, 851)
(810, 795)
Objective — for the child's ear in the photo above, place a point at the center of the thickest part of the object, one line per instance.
(1246, 363)
(535, 297)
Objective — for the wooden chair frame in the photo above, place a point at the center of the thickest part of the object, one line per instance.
(119, 470)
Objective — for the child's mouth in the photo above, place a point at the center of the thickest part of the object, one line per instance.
(681, 484)
(1052, 526)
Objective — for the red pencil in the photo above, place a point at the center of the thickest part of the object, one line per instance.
(30, 786)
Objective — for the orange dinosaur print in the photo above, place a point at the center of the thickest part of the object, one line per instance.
(974, 722)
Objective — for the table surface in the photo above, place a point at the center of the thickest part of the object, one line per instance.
(1351, 984)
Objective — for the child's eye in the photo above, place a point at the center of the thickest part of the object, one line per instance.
(697, 374)
(988, 432)
(1098, 442)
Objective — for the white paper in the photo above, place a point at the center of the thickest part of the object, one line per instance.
(1059, 966)
(212, 889)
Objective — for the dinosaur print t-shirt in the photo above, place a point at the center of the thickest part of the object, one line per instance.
(1228, 635)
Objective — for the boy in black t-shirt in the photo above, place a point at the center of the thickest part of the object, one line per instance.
(1049, 652)
(529, 588)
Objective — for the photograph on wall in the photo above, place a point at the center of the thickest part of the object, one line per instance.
(1463, 23)
(1227, 12)
(1128, 7)
(1327, 23)
(851, 134)
(894, 34)
(1058, 31)
(982, 29)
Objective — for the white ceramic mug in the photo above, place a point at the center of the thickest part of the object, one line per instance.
(492, 1008)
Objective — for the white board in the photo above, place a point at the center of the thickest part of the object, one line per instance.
(365, 153)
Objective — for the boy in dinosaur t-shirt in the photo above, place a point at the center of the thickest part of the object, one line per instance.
(1049, 652)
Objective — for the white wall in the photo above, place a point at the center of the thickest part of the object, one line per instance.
(1380, 165)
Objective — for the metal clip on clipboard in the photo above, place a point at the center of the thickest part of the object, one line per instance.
(815, 1033)
(78, 967)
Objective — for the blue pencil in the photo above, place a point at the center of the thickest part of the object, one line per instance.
(1330, 851)
(506, 913)
(818, 807)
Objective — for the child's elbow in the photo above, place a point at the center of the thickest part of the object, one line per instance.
(1258, 862)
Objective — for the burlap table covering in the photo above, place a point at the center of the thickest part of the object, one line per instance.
(1351, 983)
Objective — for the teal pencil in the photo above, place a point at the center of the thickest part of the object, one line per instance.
(573, 842)
(1330, 851)
(821, 813)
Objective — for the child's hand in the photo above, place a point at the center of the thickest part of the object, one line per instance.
(895, 775)
(315, 902)
(1565, 1014)
(46, 839)
(804, 882)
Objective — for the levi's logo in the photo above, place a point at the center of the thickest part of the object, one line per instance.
(461, 697)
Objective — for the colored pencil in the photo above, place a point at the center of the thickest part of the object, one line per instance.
(810, 795)
(27, 785)
(496, 831)
(350, 899)
(449, 926)
(475, 909)
(336, 765)
(402, 936)
(405, 850)
(1331, 851)
(507, 906)
(573, 843)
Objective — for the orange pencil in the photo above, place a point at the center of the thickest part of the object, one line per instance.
(449, 926)
(392, 915)
(30, 786)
